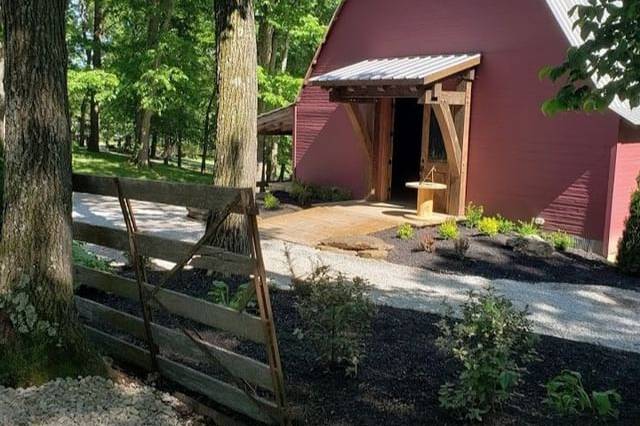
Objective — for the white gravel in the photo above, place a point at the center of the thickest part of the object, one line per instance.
(601, 315)
(89, 401)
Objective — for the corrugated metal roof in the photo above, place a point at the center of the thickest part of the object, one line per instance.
(410, 70)
(560, 10)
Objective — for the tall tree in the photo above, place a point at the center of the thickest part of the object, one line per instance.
(35, 248)
(237, 106)
(93, 143)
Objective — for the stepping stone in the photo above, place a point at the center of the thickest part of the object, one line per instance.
(357, 243)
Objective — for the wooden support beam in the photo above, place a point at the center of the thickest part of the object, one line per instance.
(437, 94)
(362, 133)
(426, 134)
(462, 119)
(443, 114)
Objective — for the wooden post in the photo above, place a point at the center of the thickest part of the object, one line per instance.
(426, 129)
(384, 111)
(362, 133)
(463, 122)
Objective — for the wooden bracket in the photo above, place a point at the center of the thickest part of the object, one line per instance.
(437, 94)
(444, 116)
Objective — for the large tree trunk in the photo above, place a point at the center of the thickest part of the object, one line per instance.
(207, 134)
(154, 145)
(236, 130)
(2, 98)
(93, 143)
(35, 249)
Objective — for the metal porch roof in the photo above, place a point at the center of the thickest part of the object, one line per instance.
(415, 70)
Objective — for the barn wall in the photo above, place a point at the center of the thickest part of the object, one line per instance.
(521, 164)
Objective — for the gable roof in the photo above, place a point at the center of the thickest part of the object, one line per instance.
(560, 10)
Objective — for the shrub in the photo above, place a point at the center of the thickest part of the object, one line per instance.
(305, 194)
(449, 230)
(629, 247)
(336, 316)
(405, 232)
(567, 396)
(489, 226)
(473, 214)
(560, 240)
(271, 202)
(220, 294)
(527, 229)
(492, 343)
(428, 243)
(82, 256)
(302, 193)
(505, 226)
(461, 246)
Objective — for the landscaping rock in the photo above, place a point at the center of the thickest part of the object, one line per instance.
(532, 245)
(373, 254)
(357, 243)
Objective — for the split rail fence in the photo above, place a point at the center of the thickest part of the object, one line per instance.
(255, 388)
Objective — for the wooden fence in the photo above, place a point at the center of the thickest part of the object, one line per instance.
(251, 379)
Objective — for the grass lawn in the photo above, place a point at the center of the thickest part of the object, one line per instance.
(110, 164)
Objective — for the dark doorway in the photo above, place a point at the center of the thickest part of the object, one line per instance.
(407, 147)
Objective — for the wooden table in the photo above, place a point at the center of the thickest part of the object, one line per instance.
(426, 194)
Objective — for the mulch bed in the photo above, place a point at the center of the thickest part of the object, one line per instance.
(398, 381)
(491, 258)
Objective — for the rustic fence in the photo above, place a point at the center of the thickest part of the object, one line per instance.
(255, 388)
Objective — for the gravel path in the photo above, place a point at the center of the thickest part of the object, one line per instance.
(89, 401)
(593, 314)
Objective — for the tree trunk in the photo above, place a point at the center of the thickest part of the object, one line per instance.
(207, 134)
(236, 130)
(93, 143)
(2, 98)
(154, 145)
(285, 55)
(179, 151)
(82, 123)
(35, 249)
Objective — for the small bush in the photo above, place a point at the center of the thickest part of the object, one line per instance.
(336, 316)
(527, 229)
(428, 243)
(271, 202)
(449, 230)
(505, 226)
(461, 246)
(306, 194)
(568, 397)
(405, 232)
(629, 247)
(492, 343)
(302, 193)
(489, 226)
(474, 215)
(243, 298)
(83, 257)
(560, 240)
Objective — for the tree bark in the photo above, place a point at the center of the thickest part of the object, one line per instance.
(36, 234)
(93, 143)
(154, 145)
(237, 109)
(2, 98)
(179, 151)
(207, 134)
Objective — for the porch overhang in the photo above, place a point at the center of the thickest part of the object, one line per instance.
(276, 122)
(408, 77)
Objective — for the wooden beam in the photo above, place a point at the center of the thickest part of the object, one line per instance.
(384, 118)
(443, 114)
(362, 133)
(437, 94)
(371, 93)
(426, 134)
(462, 120)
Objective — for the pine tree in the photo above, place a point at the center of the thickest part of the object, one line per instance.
(629, 249)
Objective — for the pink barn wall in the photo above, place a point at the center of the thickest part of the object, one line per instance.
(521, 163)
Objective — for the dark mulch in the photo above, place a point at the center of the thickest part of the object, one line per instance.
(491, 258)
(398, 381)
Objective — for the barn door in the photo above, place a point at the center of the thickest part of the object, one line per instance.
(434, 158)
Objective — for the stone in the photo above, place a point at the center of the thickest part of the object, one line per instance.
(356, 243)
(373, 254)
(531, 245)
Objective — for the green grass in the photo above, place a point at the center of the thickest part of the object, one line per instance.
(109, 164)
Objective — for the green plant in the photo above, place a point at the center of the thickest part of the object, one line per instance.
(336, 316)
(271, 202)
(560, 240)
(505, 226)
(305, 194)
(461, 247)
(473, 215)
(82, 256)
(567, 396)
(489, 226)
(449, 230)
(219, 293)
(629, 247)
(492, 344)
(527, 229)
(405, 232)
(302, 193)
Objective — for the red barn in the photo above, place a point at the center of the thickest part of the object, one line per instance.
(403, 87)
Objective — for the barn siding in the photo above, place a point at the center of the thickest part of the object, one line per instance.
(521, 164)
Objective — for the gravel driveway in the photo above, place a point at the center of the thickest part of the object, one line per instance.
(593, 314)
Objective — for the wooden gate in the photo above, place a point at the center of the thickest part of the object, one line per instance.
(253, 388)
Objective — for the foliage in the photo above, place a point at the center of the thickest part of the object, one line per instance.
(568, 397)
(405, 232)
(610, 55)
(473, 215)
(428, 243)
(492, 344)
(560, 240)
(277, 90)
(271, 202)
(505, 226)
(336, 316)
(87, 259)
(100, 83)
(629, 247)
(489, 226)
(461, 247)
(305, 194)
(527, 229)
(449, 230)
(243, 297)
